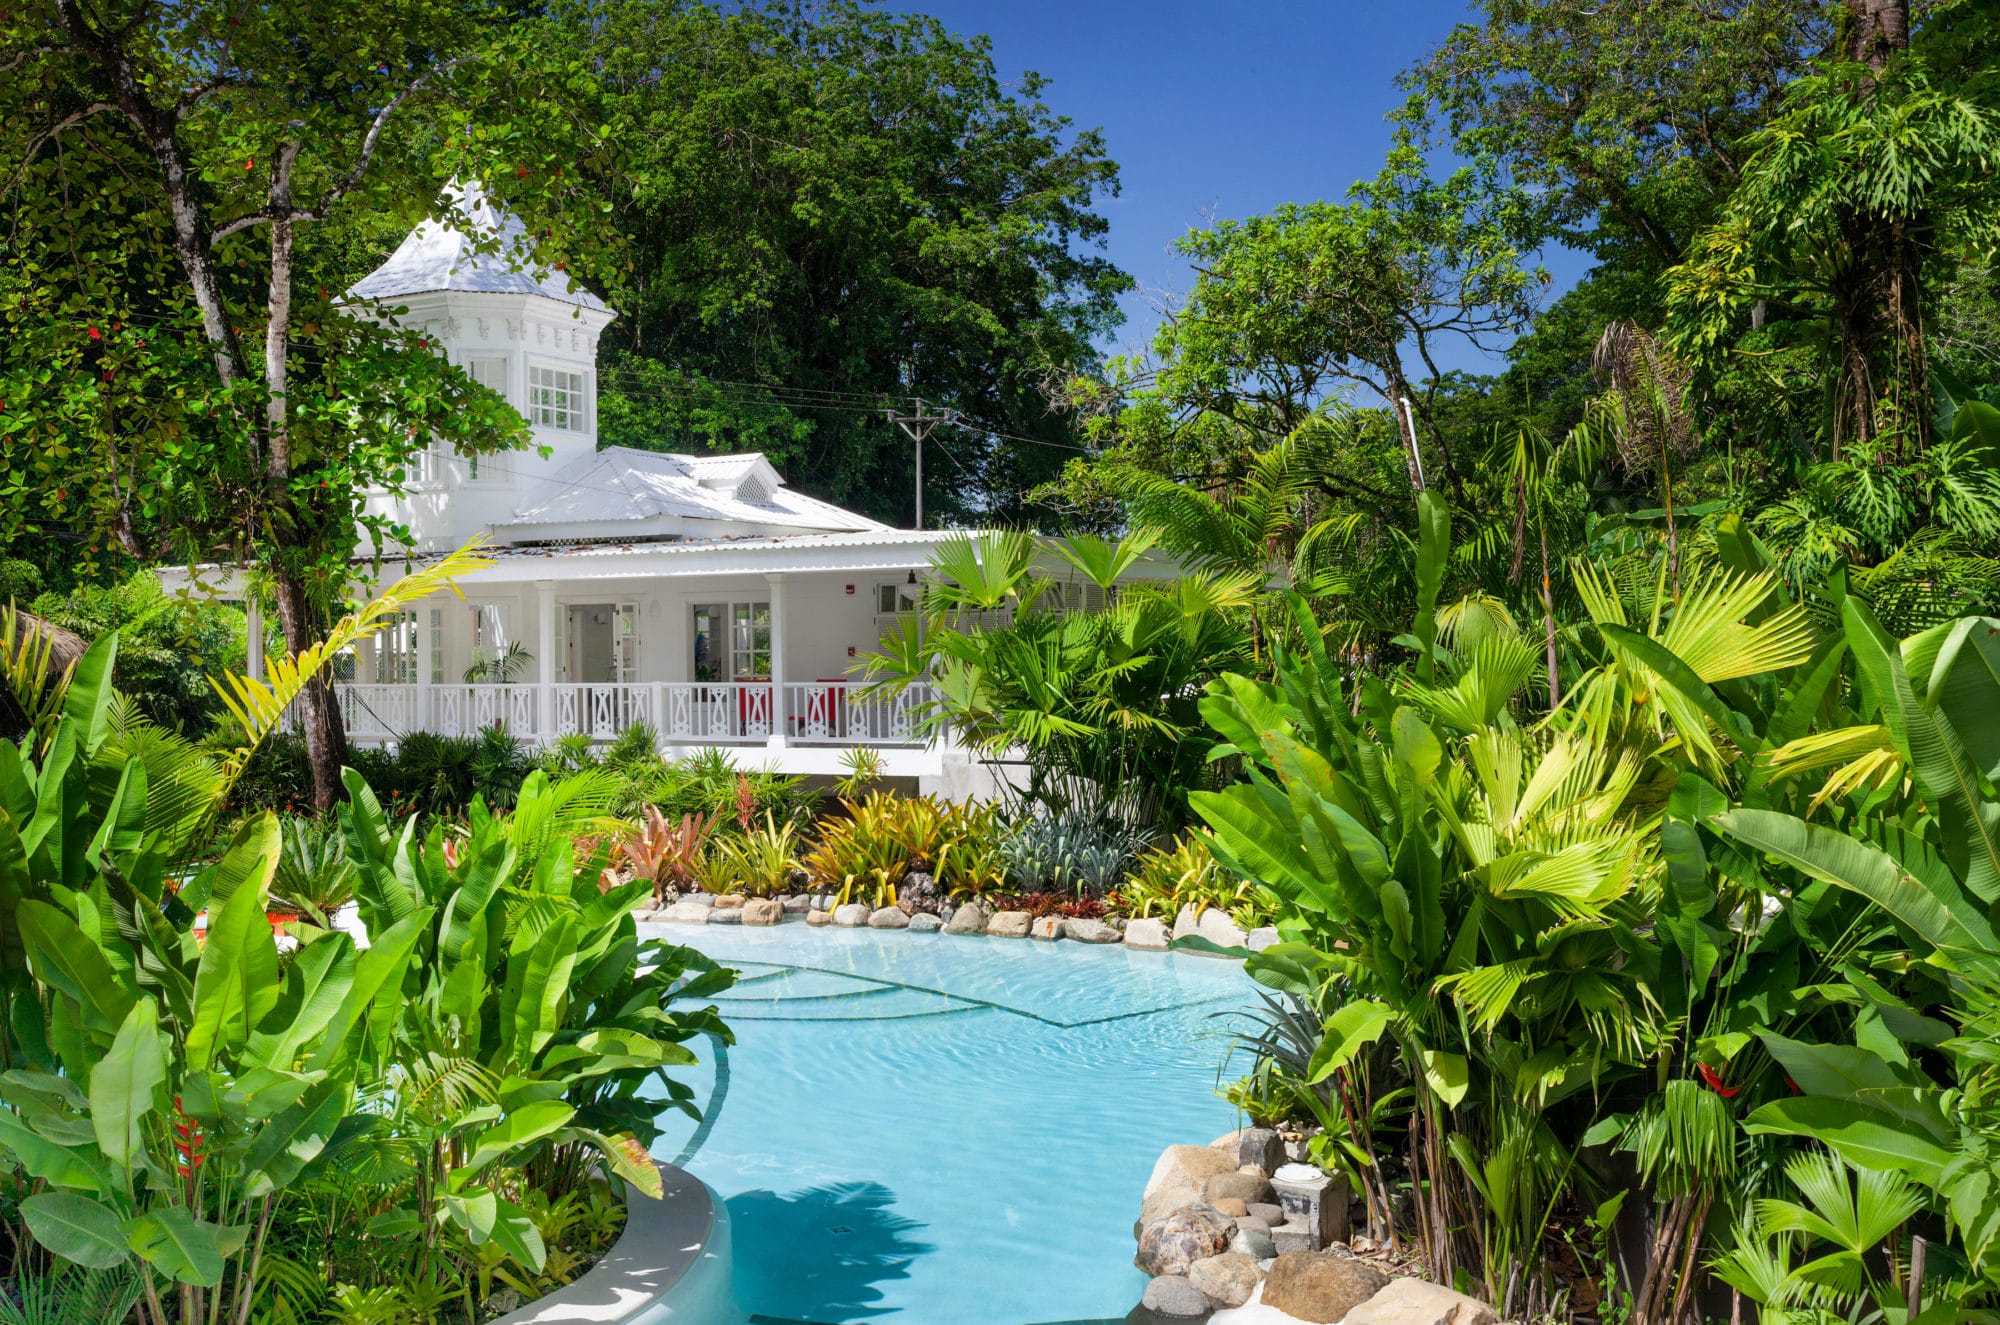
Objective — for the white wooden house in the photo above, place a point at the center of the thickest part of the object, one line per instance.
(695, 593)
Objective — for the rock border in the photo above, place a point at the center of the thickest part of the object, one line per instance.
(671, 1263)
(1241, 1231)
(1139, 934)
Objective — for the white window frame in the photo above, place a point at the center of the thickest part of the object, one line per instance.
(396, 650)
(905, 597)
(576, 416)
(478, 469)
(743, 646)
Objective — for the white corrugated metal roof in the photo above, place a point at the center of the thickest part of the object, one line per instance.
(620, 484)
(881, 537)
(441, 257)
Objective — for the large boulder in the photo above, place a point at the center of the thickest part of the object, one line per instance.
(1415, 1302)
(1089, 931)
(730, 901)
(796, 904)
(1146, 933)
(1244, 1187)
(1009, 924)
(1047, 928)
(1319, 1287)
(1187, 922)
(686, 913)
(1179, 1176)
(1216, 926)
(968, 919)
(852, 916)
(763, 911)
(1226, 1280)
(1263, 937)
(923, 922)
(1173, 1296)
(815, 919)
(1175, 1241)
(889, 917)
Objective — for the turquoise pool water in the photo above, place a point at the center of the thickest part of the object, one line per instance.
(936, 1130)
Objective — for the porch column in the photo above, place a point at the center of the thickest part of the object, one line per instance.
(421, 719)
(778, 705)
(545, 659)
(253, 620)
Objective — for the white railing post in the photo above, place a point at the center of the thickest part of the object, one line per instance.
(545, 661)
(779, 707)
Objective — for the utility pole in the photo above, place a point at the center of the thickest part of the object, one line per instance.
(917, 427)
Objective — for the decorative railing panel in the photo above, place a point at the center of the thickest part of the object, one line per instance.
(844, 713)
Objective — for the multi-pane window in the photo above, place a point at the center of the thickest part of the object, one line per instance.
(490, 372)
(437, 646)
(896, 599)
(750, 641)
(555, 399)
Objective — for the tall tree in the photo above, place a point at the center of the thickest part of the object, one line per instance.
(197, 146)
(833, 208)
(1311, 301)
(1874, 181)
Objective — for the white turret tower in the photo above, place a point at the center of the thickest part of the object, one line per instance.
(528, 333)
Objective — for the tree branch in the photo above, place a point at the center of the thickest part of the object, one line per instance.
(352, 179)
(43, 138)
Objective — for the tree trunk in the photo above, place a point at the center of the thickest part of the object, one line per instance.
(319, 713)
(1878, 302)
(1877, 30)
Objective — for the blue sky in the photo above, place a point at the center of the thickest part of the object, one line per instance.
(1217, 108)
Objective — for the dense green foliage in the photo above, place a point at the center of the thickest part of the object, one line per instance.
(219, 1119)
(829, 208)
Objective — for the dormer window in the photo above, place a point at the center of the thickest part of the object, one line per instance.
(555, 399)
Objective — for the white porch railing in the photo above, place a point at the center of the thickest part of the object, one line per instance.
(378, 712)
(842, 713)
(467, 709)
(681, 712)
(601, 711)
(715, 711)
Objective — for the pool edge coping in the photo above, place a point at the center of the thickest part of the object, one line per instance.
(661, 1242)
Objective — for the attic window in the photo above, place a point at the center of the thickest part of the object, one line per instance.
(555, 399)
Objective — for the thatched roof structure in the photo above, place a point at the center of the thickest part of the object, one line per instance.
(65, 646)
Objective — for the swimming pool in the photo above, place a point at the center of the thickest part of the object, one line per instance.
(937, 1130)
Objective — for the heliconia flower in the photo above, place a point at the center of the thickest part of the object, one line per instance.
(1714, 1081)
(451, 853)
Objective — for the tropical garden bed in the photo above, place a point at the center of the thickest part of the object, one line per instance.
(435, 1116)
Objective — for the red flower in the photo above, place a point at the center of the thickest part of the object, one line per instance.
(95, 334)
(250, 163)
(1714, 1081)
(521, 171)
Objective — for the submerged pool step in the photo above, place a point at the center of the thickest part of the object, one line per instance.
(792, 994)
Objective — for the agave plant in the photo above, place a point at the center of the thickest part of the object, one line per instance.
(1080, 853)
